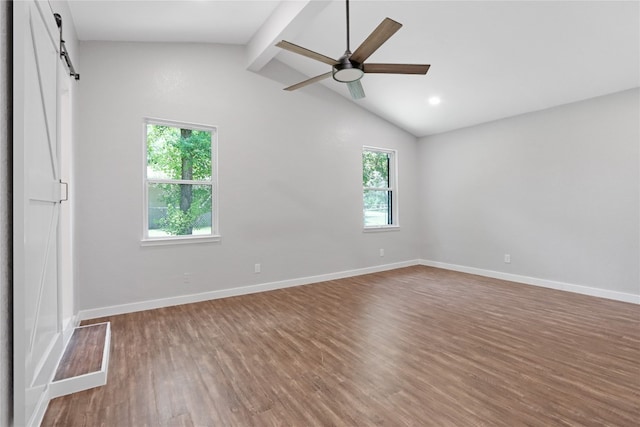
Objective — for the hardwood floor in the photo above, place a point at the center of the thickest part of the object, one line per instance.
(417, 346)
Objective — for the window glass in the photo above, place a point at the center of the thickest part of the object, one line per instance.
(179, 209)
(178, 153)
(375, 169)
(179, 186)
(378, 182)
(377, 208)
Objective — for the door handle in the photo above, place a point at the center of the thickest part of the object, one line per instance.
(66, 191)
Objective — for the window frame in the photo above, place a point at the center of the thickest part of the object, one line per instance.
(146, 240)
(393, 189)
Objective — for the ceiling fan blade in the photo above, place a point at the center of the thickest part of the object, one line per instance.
(396, 68)
(356, 90)
(381, 34)
(306, 52)
(309, 81)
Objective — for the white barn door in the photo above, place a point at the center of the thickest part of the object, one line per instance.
(37, 194)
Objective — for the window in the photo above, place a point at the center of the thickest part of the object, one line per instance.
(180, 192)
(379, 188)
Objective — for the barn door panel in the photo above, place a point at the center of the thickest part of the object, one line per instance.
(36, 206)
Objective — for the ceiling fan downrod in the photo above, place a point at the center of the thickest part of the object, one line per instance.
(345, 70)
(348, 36)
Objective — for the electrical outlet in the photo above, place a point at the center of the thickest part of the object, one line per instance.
(186, 278)
(507, 258)
(256, 268)
(381, 252)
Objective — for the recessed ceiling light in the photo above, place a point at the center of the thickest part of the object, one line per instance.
(434, 100)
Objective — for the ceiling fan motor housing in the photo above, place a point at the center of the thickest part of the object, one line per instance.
(347, 71)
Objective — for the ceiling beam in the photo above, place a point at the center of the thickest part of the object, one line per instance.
(286, 22)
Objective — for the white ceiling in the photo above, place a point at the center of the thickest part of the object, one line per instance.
(227, 22)
(489, 59)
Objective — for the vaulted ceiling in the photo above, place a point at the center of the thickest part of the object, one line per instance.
(489, 59)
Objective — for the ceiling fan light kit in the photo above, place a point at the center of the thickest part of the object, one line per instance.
(346, 71)
(350, 68)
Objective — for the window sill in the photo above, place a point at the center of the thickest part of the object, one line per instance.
(381, 228)
(180, 240)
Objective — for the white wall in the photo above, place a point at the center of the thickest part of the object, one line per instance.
(6, 309)
(289, 175)
(557, 189)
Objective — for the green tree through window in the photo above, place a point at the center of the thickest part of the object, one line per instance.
(378, 187)
(179, 180)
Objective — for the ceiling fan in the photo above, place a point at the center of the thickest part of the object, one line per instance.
(350, 67)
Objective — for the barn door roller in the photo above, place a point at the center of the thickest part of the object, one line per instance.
(64, 54)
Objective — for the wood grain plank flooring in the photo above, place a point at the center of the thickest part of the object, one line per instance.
(417, 346)
(83, 354)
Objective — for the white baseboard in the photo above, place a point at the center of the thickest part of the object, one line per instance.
(242, 290)
(68, 326)
(263, 287)
(40, 409)
(561, 286)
